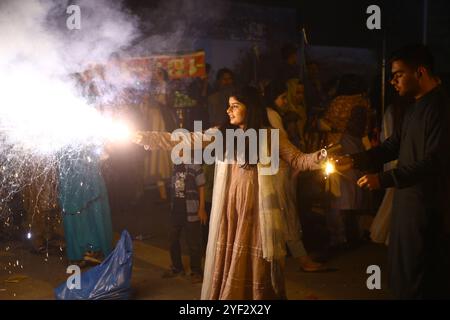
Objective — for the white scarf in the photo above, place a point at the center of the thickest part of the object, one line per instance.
(270, 220)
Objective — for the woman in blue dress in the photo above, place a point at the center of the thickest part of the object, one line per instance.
(85, 207)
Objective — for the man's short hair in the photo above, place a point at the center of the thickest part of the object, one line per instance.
(222, 72)
(414, 56)
(287, 50)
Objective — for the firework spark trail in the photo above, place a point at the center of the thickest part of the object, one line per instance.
(43, 117)
(44, 120)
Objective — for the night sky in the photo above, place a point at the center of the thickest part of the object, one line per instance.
(343, 23)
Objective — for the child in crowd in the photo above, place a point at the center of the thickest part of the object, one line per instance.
(188, 213)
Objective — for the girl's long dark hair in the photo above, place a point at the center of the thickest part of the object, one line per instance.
(256, 117)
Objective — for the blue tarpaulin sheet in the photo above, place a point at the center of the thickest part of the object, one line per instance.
(111, 280)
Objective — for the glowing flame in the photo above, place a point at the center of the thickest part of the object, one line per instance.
(42, 115)
(329, 168)
(117, 132)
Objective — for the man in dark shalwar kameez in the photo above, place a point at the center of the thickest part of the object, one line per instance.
(419, 243)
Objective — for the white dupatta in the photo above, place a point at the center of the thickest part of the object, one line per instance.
(272, 226)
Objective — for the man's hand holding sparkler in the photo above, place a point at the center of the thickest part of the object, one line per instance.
(370, 181)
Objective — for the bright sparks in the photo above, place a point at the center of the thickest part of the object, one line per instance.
(117, 132)
(42, 115)
(329, 168)
(43, 119)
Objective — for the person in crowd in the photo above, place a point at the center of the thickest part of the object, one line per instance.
(290, 68)
(295, 116)
(392, 118)
(123, 173)
(84, 202)
(276, 99)
(199, 89)
(155, 102)
(345, 123)
(419, 240)
(188, 214)
(246, 243)
(218, 101)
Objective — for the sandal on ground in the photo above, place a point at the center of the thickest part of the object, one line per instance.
(308, 265)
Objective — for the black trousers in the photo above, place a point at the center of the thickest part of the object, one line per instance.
(193, 234)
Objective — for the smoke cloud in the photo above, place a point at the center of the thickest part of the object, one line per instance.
(42, 113)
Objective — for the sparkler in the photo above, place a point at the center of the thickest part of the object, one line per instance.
(43, 117)
(329, 168)
(117, 131)
(42, 121)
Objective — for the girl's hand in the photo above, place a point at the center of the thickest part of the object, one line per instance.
(138, 137)
(203, 216)
(322, 155)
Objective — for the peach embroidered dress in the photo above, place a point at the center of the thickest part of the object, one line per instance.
(246, 243)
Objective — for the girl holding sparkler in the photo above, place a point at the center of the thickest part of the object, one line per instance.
(246, 244)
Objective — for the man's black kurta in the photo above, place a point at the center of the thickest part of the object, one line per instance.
(419, 242)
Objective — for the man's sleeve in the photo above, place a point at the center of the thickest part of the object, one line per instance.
(375, 157)
(434, 160)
